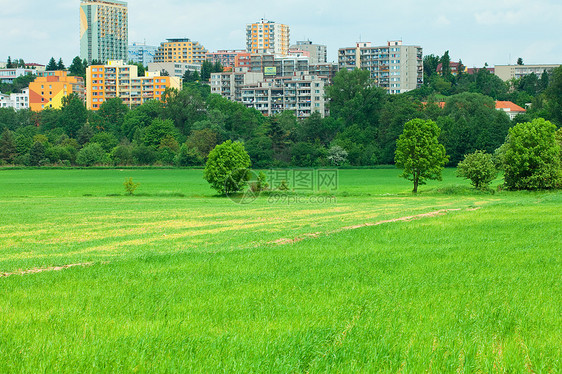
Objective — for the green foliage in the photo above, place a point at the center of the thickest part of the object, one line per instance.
(7, 146)
(337, 156)
(122, 155)
(130, 186)
(90, 155)
(532, 156)
(202, 141)
(188, 157)
(77, 67)
(105, 139)
(37, 154)
(158, 130)
(554, 95)
(419, 152)
(479, 168)
(73, 114)
(225, 165)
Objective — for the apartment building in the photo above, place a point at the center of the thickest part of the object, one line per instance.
(50, 87)
(300, 92)
(317, 53)
(15, 100)
(181, 50)
(395, 67)
(227, 58)
(115, 79)
(175, 69)
(140, 53)
(267, 37)
(104, 31)
(9, 75)
(507, 72)
(229, 84)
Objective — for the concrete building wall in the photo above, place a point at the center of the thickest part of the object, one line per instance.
(267, 37)
(318, 53)
(141, 53)
(17, 101)
(175, 69)
(507, 72)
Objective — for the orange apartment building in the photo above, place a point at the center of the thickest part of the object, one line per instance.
(48, 89)
(116, 79)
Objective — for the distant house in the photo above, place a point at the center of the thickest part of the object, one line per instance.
(510, 108)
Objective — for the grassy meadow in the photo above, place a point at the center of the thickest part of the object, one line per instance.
(369, 279)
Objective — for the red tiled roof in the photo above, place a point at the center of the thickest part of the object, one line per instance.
(509, 105)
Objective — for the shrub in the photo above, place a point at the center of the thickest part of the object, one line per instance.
(479, 168)
(226, 168)
(91, 154)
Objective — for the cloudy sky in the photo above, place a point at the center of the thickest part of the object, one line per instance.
(476, 31)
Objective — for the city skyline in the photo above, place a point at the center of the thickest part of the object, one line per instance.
(496, 32)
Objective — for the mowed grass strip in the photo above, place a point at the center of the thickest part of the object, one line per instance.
(474, 291)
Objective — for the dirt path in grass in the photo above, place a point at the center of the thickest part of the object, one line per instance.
(41, 270)
(284, 241)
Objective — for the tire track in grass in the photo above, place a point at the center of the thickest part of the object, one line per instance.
(440, 212)
(42, 270)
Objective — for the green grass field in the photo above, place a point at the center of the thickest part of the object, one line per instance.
(373, 279)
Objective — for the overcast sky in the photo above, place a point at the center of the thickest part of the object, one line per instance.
(476, 31)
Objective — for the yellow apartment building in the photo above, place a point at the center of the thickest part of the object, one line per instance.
(267, 37)
(181, 50)
(116, 79)
(48, 89)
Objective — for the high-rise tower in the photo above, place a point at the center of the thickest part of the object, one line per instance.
(267, 37)
(104, 31)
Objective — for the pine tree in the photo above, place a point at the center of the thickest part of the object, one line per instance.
(9, 63)
(52, 65)
(60, 65)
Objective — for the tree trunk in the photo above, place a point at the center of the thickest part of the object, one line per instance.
(416, 181)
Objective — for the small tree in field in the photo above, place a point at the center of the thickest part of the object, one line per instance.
(419, 153)
(130, 186)
(226, 167)
(479, 168)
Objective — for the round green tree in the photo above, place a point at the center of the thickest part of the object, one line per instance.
(226, 167)
(419, 152)
(532, 156)
(479, 167)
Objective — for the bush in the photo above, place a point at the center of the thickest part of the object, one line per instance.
(479, 168)
(226, 167)
(91, 154)
(532, 156)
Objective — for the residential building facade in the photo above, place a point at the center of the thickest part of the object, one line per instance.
(395, 67)
(301, 92)
(317, 53)
(507, 72)
(181, 50)
(175, 69)
(141, 53)
(9, 75)
(15, 100)
(104, 31)
(115, 79)
(267, 37)
(227, 58)
(50, 87)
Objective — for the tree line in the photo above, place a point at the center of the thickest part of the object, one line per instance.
(362, 129)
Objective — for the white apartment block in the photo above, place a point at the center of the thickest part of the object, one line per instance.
(395, 67)
(9, 75)
(230, 84)
(175, 69)
(317, 53)
(508, 72)
(302, 94)
(16, 100)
